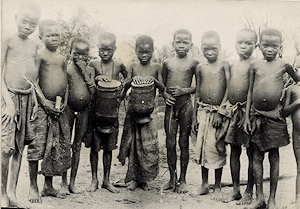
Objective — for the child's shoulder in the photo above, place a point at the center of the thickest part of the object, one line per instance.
(118, 62)
(95, 61)
(133, 65)
(155, 65)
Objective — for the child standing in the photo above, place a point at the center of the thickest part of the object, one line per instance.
(82, 88)
(211, 82)
(263, 112)
(52, 91)
(177, 76)
(292, 107)
(234, 110)
(19, 104)
(139, 141)
(106, 69)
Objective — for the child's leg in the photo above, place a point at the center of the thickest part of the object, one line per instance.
(235, 166)
(107, 157)
(217, 186)
(4, 175)
(204, 188)
(94, 165)
(274, 174)
(258, 158)
(48, 189)
(171, 126)
(297, 156)
(33, 196)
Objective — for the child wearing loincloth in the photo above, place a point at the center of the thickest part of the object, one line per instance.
(263, 112)
(211, 91)
(52, 91)
(234, 110)
(292, 107)
(105, 69)
(177, 75)
(81, 90)
(19, 103)
(139, 140)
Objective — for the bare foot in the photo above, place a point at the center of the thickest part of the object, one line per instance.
(34, 196)
(73, 189)
(64, 189)
(4, 201)
(271, 204)
(201, 191)
(13, 202)
(93, 187)
(110, 187)
(256, 204)
(145, 186)
(169, 185)
(53, 193)
(217, 195)
(181, 189)
(132, 186)
(232, 197)
(246, 199)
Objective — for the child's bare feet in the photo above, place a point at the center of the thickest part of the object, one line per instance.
(256, 204)
(132, 185)
(217, 195)
(34, 196)
(181, 189)
(73, 189)
(64, 189)
(14, 202)
(109, 187)
(53, 193)
(271, 204)
(169, 185)
(144, 186)
(232, 197)
(246, 199)
(94, 186)
(204, 189)
(4, 201)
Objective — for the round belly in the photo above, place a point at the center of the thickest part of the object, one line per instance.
(266, 99)
(79, 96)
(53, 88)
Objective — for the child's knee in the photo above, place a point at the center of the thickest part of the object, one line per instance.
(170, 144)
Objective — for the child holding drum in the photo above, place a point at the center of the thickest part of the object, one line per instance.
(139, 139)
(105, 115)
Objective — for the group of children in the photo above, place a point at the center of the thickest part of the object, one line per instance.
(47, 102)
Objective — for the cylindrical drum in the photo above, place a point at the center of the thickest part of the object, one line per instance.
(142, 101)
(107, 102)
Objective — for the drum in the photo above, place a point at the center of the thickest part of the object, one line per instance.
(142, 101)
(107, 104)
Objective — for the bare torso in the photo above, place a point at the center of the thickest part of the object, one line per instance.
(212, 82)
(79, 95)
(239, 81)
(136, 69)
(20, 68)
(53, 78)
(267, 84)
(179, 72)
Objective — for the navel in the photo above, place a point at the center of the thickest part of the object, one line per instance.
(264, 100)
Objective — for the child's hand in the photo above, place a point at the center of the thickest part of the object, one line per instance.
(177, 91)
(169, 100)
(50, 110)
(148, 79)
(195, 126)
(8, 114)
(247, 126)
(103, 78)
(217, 120)
(138, 80)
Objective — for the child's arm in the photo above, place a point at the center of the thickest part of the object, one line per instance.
(169, 100)
(290, 108)
(197, 98)
(123, 71)
(127, 85)
(247, 124)
(291, 72)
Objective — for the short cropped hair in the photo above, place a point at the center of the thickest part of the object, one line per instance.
(182, 31)
(270, 32)
(78, 40)
(144, 39)
(108, 36)
(47, 23)
(249, 30)
(211, 34)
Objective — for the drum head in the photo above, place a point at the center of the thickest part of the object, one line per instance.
(142, 85)
(109, 85)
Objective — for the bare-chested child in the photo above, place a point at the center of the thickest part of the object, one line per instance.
(177, 76)
(211, 91)
(234, 109)
(292, 107)
(81, 90)
(263, 112)
(52, 93)
(106, 69)
(19, 104)
(142, 161)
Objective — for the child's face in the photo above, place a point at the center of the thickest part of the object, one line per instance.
(270, 46)
(107, 49)
(245, 44)
(144, 53)
(80, 52)
(51, 37)
(26, 23)
(210, 48)
(182, 44)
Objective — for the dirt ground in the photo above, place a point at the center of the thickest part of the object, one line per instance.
(156, 198)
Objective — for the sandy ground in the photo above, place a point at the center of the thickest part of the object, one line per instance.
(156, 198)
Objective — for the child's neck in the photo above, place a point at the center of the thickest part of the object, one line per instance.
(246, 58)
(23, 37)
(106, 62)
(181, 57)
(50, 51)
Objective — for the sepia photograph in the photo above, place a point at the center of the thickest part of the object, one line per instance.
(150, 104)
